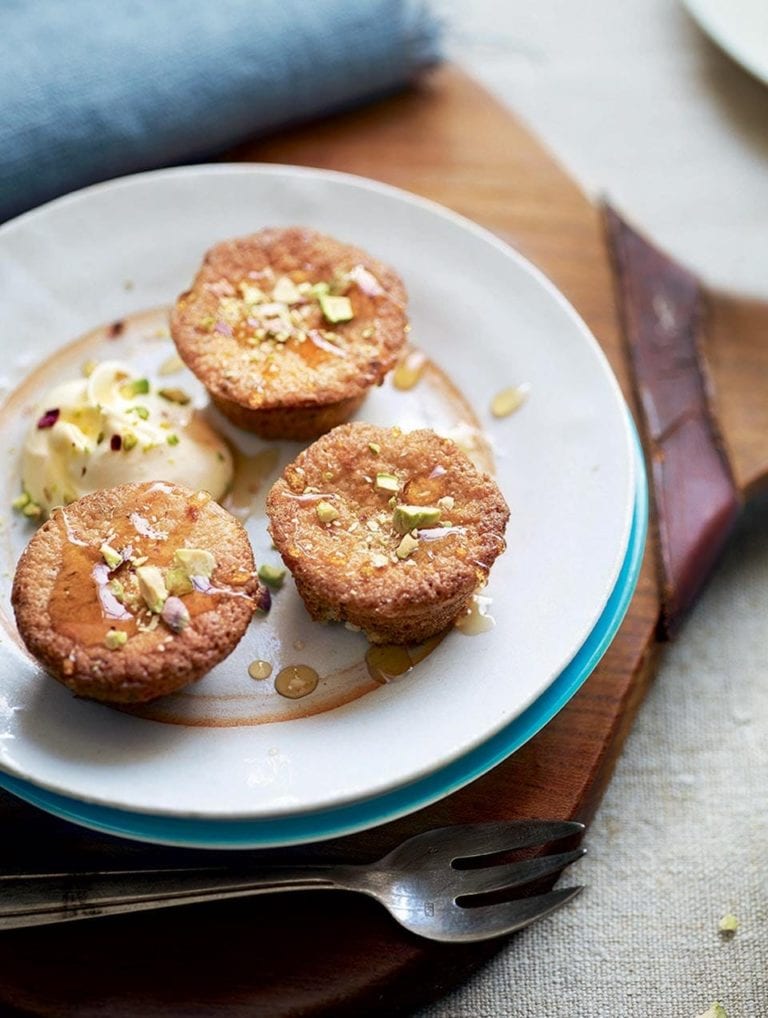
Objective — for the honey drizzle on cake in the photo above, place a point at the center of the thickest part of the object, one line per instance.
(85, 611)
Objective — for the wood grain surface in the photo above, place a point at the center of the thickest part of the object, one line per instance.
(340, 955)
(735, 344)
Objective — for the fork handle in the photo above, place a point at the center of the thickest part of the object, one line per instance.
(40, 899)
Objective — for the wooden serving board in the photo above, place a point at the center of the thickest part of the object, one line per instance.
(339, 955)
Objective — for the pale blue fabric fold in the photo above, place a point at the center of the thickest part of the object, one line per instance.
(91, 89)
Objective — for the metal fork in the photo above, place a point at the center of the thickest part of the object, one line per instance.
(418, 883)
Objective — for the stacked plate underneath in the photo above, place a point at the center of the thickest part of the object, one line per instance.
(229, 762)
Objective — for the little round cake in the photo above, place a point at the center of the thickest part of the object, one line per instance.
(288, 329)
(132, 592)
(386, 530)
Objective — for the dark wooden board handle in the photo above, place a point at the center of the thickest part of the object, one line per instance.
(694, 492)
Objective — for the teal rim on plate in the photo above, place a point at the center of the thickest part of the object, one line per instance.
(334, 823)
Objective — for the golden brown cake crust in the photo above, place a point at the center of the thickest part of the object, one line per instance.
(299, 387)
(348, 569)
(62, 619)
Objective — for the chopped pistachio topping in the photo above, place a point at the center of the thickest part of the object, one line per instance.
(728, 924)
(175, 614)
(714, 1011)
(336, 309)
(115, 639)
(273, 576)
(412, 517)
(32, 510)
(285, 291)
(172, 439)
(447, 502)
(326, 512)
(21, 501)
(387, 482)
(116, 588)
(136, 387)
(319, 290)
(140, 411)
(174, 395)
(177, 581)
(375, 448)
(251, 294)
(407, 546)
(195, 561)
(111, 556)
(152, 588)
(130, 441)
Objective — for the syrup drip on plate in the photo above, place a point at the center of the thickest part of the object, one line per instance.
(296, 681)
(388, 661)
(476, 619)
(409, 370)
(259, 669)
(251, 473)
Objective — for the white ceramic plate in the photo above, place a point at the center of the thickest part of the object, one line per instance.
(231, 747)
(740, 27)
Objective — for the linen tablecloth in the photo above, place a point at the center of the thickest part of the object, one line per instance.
(640, 106)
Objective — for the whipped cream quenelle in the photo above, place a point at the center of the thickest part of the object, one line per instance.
(111, 428)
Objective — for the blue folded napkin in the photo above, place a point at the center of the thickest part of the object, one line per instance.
(92, 90)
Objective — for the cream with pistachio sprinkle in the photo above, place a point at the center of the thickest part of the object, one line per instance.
(368, 537)
(112, 427)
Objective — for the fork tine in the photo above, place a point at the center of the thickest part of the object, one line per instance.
(470, 924)
(497, 878)
(472, 840)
